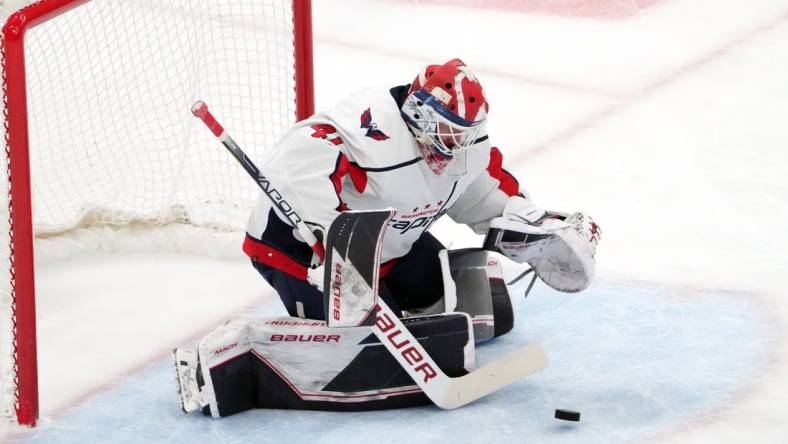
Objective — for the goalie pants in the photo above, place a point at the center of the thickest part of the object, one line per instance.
(413, 281)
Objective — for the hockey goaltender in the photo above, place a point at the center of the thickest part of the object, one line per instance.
(368, 178)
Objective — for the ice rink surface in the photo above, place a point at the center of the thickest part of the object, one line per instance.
(665, 120)
(632, 369)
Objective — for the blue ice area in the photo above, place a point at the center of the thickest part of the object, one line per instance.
(635, 359)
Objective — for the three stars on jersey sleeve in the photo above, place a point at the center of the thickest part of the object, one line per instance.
(428, 206)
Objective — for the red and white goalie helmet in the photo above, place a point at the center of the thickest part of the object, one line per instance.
(446, 110)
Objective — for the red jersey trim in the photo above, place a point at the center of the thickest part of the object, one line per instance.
(358, 176)
(272, 257)
(268, 255)
(340, 170)
(508, 184)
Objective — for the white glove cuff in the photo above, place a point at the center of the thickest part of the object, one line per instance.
(522, 209)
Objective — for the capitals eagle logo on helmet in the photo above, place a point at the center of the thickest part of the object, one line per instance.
(372, 127)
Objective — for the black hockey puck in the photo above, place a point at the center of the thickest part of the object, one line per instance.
(567, 415)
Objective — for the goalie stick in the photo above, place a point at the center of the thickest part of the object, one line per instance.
(200, 110)
(446, 392)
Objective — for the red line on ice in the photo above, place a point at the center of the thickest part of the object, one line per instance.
(563, 136)
(599, 9)
(651, 88)
(422, 60)
(119, 377)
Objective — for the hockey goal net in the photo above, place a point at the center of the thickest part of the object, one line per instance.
(98, 130)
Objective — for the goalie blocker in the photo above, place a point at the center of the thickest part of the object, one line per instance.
(472, 280)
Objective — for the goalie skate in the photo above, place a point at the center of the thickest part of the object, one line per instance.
(189, 379)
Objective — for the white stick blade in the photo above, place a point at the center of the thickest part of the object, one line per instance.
(509, 369)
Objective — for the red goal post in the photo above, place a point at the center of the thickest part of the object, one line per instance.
(243, 74)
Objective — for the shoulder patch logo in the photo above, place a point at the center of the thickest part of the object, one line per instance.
(372, 127)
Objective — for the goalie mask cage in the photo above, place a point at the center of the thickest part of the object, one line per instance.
(98, 130)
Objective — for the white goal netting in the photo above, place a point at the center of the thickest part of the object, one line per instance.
(112, 141)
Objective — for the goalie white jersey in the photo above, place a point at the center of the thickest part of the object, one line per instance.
(361, 155)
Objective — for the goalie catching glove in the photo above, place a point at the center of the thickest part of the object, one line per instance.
(559, 247)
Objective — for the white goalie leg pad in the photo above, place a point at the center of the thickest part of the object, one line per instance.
(229, 341)
(186, 371)
(311, 357)
(468, 276)
(467, 289)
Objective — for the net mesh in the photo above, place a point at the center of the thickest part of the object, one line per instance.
(112, 140)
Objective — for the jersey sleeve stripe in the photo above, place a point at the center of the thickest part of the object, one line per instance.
(358, 176)
(340, 170)
(508, 184)
(388, 168)
(265, 254)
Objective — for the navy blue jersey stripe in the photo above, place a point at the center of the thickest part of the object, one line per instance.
(480, 139)
(453, 188)
(388, 168)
